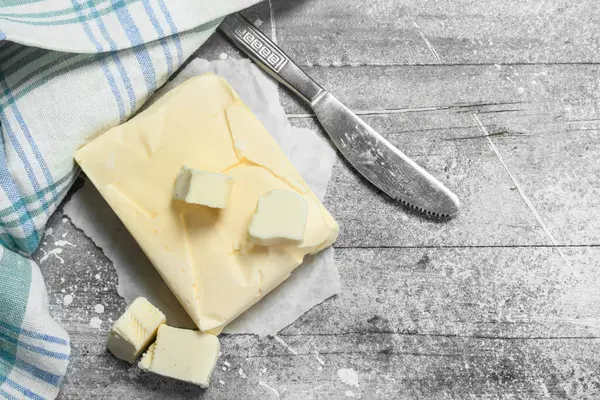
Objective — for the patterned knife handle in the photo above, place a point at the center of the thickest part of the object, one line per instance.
(270, 57)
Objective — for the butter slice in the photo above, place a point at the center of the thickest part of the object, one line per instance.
(280, 218)
(203, 254)
(201, 187)
(182, 354)
(134, 330)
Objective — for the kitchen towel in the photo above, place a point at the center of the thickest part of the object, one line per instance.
(69, 70)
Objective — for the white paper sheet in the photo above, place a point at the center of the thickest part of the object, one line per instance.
(314, 281)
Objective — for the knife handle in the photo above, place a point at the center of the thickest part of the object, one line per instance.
(270, 57)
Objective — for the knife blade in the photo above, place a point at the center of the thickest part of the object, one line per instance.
(380, 162)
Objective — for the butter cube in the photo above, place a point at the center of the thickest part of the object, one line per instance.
(204, 254)
(182, 354)
(280, 218)
(201, 187)
(134, 330)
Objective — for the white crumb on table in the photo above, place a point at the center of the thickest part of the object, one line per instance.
(54, 252)
(284, 344)
(63, 243)
(272, 389)
(95, 322)
(67, 300)
(348, 376)
(99, 308)
(319, 359)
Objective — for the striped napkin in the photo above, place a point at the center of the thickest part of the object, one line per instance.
(69, 70)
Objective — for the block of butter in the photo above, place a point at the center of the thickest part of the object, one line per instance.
(280, 218)
(134, 330)
(200, 187)
(182, 354)
(203, 254)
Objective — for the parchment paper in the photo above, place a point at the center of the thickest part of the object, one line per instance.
(311, 283)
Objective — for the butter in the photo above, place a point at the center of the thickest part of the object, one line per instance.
(134, 330)
(280, 218)
(182, 354)
(200, 187)
(204, 255)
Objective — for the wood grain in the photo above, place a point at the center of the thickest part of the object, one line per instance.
(392, 32)
(570, 91)
(500, 101)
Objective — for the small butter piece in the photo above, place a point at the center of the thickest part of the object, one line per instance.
(134, 330)
(182, 354)
(280, 218)
(201, 187)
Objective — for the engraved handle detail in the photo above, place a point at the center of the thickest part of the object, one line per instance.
(270, 57)
(261, 49)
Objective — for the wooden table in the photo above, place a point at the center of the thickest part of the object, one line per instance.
(498, 99)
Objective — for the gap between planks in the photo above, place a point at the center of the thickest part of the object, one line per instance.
(417, 109)
(437, 65)
(500, 246)
(418, 334)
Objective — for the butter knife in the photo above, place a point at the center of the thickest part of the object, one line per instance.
(367, 151)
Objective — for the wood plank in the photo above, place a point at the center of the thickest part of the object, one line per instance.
(429, 323)
(492, 214)
(471, 292)
(390, 32)
(568, 91)
(452, 368)
(555, 170)
(545, 135)
(560, 173)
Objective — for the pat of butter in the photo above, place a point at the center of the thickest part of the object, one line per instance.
(200, 187)
(203, 254)
(134, 330)
(280, 218)
(182, 354)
